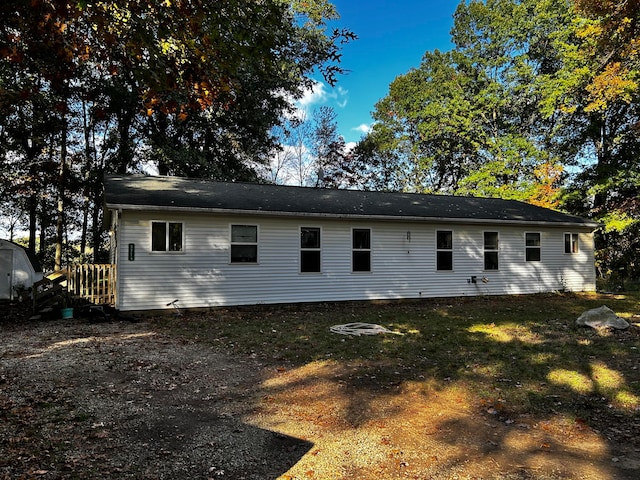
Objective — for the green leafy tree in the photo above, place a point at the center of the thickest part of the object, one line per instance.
(467, 121)
(592, 98)
(535, 95)
(192, 87)
(612, 40)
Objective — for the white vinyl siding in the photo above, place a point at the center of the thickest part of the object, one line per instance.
(402, 265)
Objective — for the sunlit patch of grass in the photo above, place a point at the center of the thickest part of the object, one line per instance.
(542, 358)
(627, 401)
(404, 328)
(506, 332)
(576, 381)
(606, 379)
(611, 383)
(495, 333)
(486, 370)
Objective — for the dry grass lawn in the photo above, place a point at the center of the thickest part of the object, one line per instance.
(502, 387)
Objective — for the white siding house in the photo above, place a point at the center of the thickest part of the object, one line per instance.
(217, 244)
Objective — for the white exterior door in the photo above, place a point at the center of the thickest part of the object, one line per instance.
(6, 269)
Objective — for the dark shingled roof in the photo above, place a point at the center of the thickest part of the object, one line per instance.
(182, 194)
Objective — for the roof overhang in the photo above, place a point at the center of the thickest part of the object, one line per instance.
(383, 218)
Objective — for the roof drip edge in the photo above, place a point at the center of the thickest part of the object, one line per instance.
(390, 218)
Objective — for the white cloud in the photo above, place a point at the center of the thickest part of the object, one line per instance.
(341, 97)
(363, 128)
(320, 94)
(316, 95)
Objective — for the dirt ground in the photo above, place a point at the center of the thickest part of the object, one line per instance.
(120, 400)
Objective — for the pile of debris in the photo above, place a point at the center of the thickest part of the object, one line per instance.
(602, 317)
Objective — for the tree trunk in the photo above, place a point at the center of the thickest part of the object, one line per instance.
(42, 247)
(33, 198)
(96, 223)
(86, 175)
(61, 198)
(602, 170)
(33, 221)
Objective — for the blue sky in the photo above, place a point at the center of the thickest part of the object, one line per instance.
(393, 36)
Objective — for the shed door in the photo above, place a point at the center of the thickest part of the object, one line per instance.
(6, 269)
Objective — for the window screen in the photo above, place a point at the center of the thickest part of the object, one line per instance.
(310, 249)
(444, 250)
(491, 250)
(244, 244)
(361, 253)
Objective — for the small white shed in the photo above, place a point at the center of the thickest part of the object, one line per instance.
(18, 269)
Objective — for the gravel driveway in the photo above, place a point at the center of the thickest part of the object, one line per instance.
(116, 400)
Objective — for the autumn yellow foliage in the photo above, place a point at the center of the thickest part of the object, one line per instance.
(546, 190)
(612, 84)
(614, 33)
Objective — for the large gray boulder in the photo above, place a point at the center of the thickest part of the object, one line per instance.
(602, 317)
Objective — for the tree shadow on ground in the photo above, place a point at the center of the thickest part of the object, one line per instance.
(229, 447)
(514, 377)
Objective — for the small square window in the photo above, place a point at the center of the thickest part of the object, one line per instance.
(166, 236)
(444, 260)
(309, 237)
(361, 261)
(244, 234)
(244, 244)
(491, 260)
(444, 239)
(361, 239)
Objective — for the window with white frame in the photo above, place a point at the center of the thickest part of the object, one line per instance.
(491, 250)
(571, 243)
(361, 249)
(444, 250)
(166, 236)
(244, 244)
(532, 246)
(310, 257)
